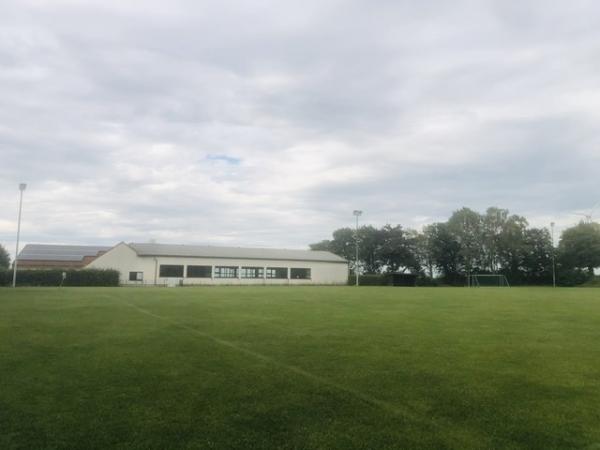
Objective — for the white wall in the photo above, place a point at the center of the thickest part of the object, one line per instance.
(125, 260)
(122, 258)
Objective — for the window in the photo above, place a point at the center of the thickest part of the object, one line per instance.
(136, 276)
(277, 272)
(199, 271)
(226, 272)
(252, 272)
(167, 271)
(300, 274)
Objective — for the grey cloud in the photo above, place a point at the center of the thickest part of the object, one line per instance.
(267, 123)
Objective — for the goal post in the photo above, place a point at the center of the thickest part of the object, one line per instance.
(487, 280)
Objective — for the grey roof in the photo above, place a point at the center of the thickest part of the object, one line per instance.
(46, 252)
(208, 251)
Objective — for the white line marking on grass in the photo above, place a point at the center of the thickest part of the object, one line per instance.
(297, 370)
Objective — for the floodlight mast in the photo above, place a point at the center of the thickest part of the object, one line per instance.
(553, 255)
(356, 213)
(22, 187)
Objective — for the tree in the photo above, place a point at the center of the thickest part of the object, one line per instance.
(422, 249)
(323, 245)
(537, 256)
(387, 249)
(370, 244)
(444, 250)
(343, 244)
(470, 242)
(397, 251)
(579, 247)
(4, 258)
(466, 226)
(512, 246)
(493, 224)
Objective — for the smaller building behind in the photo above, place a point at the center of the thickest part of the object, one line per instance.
(45, 256)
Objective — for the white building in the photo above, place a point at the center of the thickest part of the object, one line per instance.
(193, 264)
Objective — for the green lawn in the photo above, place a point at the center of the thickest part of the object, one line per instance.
(299, 368)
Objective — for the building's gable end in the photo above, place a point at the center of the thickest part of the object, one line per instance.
(121, 255)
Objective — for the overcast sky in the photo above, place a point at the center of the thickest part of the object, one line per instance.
(265, 123)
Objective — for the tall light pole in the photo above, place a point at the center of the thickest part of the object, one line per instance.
(22, 187)
(356, 213)
(553, 262)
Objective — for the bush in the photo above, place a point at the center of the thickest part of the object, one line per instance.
(92, 277)
(53, 277)
(573, 277)
(374, 279)
(5, 277)
(593, 282)
(423, 280)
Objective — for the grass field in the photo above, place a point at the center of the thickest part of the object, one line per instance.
(299, 368)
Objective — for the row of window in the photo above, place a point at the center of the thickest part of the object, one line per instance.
(176, 271)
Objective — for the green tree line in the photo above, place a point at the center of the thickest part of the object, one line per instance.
(469, 242)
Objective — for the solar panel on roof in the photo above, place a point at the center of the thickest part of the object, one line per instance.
(48, 252)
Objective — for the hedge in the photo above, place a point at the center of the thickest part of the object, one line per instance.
(385, 279)
(53, 277)
(370, 280)
(572, 277)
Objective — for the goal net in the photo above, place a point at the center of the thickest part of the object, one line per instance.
(479, 280)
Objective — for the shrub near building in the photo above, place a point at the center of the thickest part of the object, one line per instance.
(4, 258)
(54, 277)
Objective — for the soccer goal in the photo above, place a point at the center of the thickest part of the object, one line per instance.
(485, 280)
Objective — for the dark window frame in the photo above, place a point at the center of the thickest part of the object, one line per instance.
(139, 276)
(163, 268)
(304, 270)
(198, 271)
(230, 272)
(257, 272)
(276, 273)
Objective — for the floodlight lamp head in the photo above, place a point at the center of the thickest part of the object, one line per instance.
(22, 186)
(357, 212)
